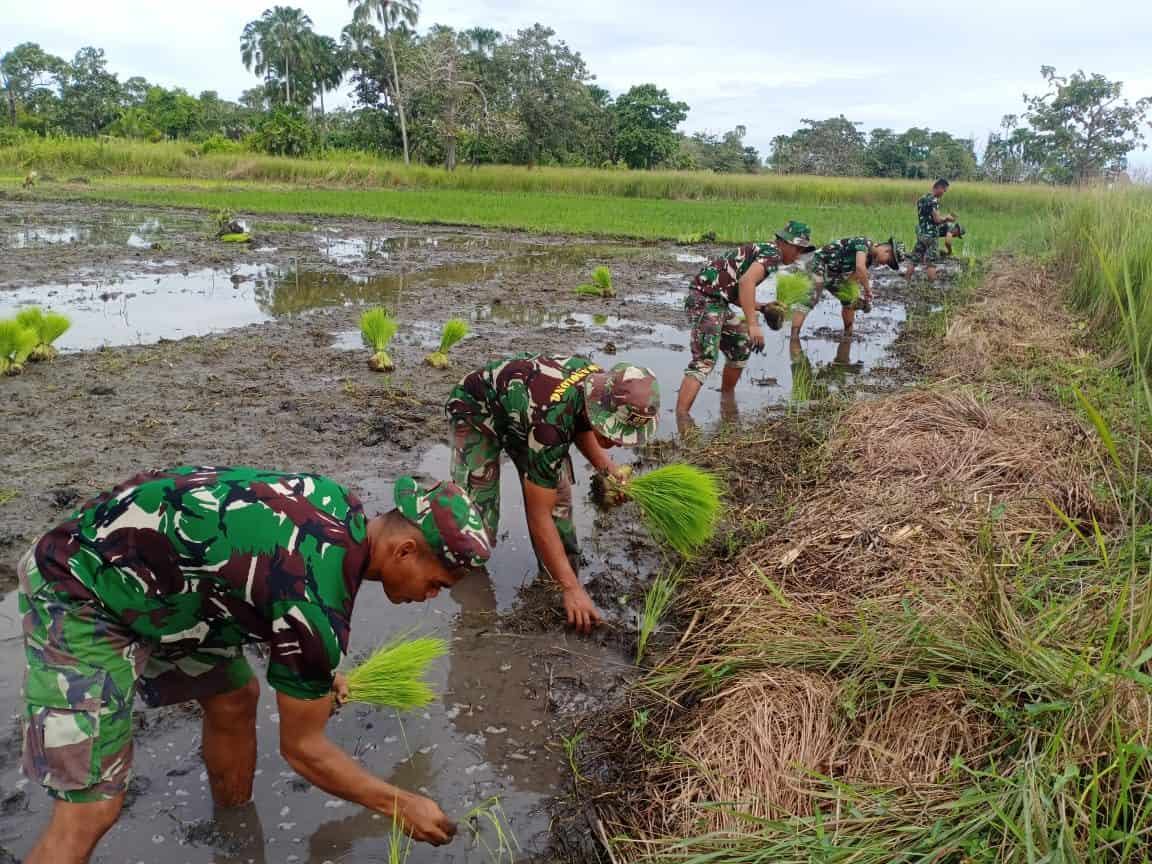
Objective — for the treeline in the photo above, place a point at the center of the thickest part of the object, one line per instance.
(481, 97)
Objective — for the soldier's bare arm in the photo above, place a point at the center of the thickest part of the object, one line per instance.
(862, 274)
(578, 606)
(314, 757)
(748, 282)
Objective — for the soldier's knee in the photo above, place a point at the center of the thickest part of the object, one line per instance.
(234, 707)
(700, 369)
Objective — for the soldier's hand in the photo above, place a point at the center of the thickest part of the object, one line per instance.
(339, 689)
(581, 612)
(615, 479)
(755, 337)
(423, 820)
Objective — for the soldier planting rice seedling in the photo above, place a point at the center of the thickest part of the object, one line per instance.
(841, 269)
(929, 221)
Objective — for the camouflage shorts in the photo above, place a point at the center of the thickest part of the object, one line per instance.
(835, 283)
(84, 667)
(926, 250)
(714, 331)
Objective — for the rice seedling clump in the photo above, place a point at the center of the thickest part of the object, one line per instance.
(454, 330)
(377, 328)
(792, 288)
(679, 503)
(600, 286)
(393, 676)
(17, 343)
(48, 327)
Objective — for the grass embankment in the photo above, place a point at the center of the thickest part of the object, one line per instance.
(931, 645)
(651, 205)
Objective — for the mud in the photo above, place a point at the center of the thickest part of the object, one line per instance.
(217, 355)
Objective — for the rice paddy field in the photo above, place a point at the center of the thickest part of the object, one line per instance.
(921, 630)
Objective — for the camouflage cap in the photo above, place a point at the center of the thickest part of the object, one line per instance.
(447, 518)
(897, 253)
(623, 403)
(798, 234)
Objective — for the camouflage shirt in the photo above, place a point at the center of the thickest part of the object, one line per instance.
(925, 207)
(532, 404)
(721, 278)
(839, 257)
(216, 557)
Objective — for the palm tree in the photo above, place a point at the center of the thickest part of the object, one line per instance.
(327, 65)
(390, 13)
(278, 41)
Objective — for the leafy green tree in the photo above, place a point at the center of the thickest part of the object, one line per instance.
(833, 147)
(90, 95)
(277, 46)
(724, 154)
(646, 121)
(286, 132)
(327, 65)
(390, 13)
(1085, 125)
(450, 97)
(26, 70)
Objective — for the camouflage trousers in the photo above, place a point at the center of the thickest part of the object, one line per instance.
(926, 250)
(715, 330)
(476, 469)
(84, 668)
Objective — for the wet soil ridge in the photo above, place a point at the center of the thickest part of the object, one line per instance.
(876, 659)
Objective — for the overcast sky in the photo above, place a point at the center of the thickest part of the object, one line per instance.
(955, 66)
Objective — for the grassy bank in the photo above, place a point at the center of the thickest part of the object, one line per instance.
(932, 642)
(647, 218)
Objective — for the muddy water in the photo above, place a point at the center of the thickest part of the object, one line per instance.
(509, 685)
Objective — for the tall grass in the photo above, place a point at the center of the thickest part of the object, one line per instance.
(66, 156)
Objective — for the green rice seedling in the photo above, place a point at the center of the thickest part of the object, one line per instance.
(17, 343)
(792, 288)
(454, 330)
(377, 328)
(399, 843)
(600, 286)
(393, 675)
(656, 603)
(238, 237)
(679, 503)
(48, 327)
(489, 814)
(587, 290)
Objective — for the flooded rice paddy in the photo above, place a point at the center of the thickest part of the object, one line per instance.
(267, 369)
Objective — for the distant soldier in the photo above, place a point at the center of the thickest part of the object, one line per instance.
(928, 222)
(731, 280)
(841, 269)
(948, 231)
(155, 587)
(534, 408)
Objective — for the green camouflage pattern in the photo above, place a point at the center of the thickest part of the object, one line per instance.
(476, 467)
(926, 250)
(84, 666)
(836, 260)
(715, 329)
(203, 559)
(531, 405)
(926, 206)
(445, 515)
(623, 404)
(720, 280)
(796, 233)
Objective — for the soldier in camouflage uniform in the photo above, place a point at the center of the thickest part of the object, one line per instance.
(928, 222)
(728, 281)
(841, 268)
(155, 587)
(534, 408)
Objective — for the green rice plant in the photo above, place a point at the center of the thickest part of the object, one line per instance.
(377, 328)
(792, 288)
(489, 814)
(656, 602)
(679, 503)
(239, 237)
(48, 327)
(454, 330)
(17, 343)
(399, 843)
(393, 675)
(600, 286)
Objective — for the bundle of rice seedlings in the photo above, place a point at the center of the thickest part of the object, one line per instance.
(680, 504)
(17, 343)
(601, 285)
(792, 288)
(393, 676)
(454, 330)
(239, 237)
(377, 328)
(48, 327)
